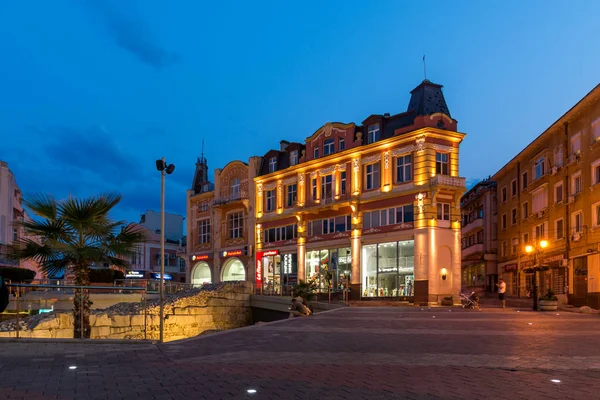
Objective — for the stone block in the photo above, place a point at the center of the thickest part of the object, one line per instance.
(120, 320)
(48, 323)
(65, 320)
(100, 320)
(100, 331)
(138, 320)
(63, 333)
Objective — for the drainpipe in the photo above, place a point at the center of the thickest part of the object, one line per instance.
(566, 188)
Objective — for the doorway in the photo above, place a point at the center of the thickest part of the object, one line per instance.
(580, 282)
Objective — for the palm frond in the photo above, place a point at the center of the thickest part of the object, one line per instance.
(42, 205)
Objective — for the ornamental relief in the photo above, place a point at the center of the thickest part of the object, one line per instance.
(328, 170)
(301, 178)
(341, 167)
(386, 159)
(290, 181)
(356, 165)
(313, 175)
(441, 147)
(371, 159)
(269, 186)
(403, 150)
(420, 144)
(259, 189)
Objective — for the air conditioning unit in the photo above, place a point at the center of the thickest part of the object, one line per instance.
(554, 170)
(576, 237)
(172, 256)
(564, 262)
(541, 214)
(570, 199)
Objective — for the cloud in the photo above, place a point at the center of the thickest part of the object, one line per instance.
(132, 34)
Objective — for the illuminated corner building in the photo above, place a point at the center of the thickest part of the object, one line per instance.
(220, 223)
(479, 238)
(376, 204)
(551, 191)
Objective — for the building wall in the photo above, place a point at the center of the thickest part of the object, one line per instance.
(568, 149)
(173, 224)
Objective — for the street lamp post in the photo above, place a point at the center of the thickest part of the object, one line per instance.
(161, 165)
(536, 249)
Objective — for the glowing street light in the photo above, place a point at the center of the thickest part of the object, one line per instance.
(536, 249)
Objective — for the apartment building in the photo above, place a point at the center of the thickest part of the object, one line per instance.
(220, 223)
(551, 191)
(374, 206)
(479, 237)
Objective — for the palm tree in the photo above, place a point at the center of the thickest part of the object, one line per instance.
(73, 234)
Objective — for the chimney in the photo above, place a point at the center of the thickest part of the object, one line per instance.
(283, 145)
(386, 115)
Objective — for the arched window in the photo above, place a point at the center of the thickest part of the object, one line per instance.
(235, 188)
(328, 147)
(234, 270)
(201, 274)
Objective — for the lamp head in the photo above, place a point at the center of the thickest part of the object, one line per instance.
(444, 273)
(170, 169)
(544, 244)
(529, 248)
(160, 165)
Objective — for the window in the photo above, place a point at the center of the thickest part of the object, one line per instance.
(576, 143)
(504, 194)
(540, 231)
(328, 147)
(525, 210)
(388, 216)
(204, 231)
(480, 237)
(404, 168)
(373, 134)
(577, 222)
(558, 192)
(596, 172)
(372, 176)
(513, 216)
(596, 130)
(270, 198)
(596, 214)
(236, 225)
(539, 168)
(524, 180)
(343, 223)
(288, 232)
(559, 229)
(235, 188)
(515, 244)
(513, 188)
(503, 221)
(291, 195)
(525, 238)
(316, 152)
(294, 157)
(272, 164)
(314, 188)
(443, 211)
(576, 183)
(540, 200)
(328, 226)
(15, 235)
(558, 157)
(503, 248)
(442, 166)
(203, 206)
(327, 187)
(480, 212)
(342, 144)
(343, 182)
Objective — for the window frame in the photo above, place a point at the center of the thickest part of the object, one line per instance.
(291, 195)
(513, 216)
(341, 144)
(236, 185)
(373, 133)
(204, 231)
(235, 224)
(574, 215)
(524, 180)
(541, 163)
(294, 158)
(577, 176)
(272, 164)
(316, 152)
(405, 167)
(596, 214)
(373, 174)
(328, 146)
(525, 210)
(504, 222)
(343, 182)
(562, 231)
(442, 167)
(270, 199)
(443, 211)
(562, 192)
(504, 194)
(514, 188)
(324, 184)
(595, 170)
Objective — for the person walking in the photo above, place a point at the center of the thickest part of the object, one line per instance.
(501, 292)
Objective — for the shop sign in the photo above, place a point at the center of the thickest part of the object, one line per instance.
(134, 275)
(259, 271)
(287, 263)
(269, 253)
(200, 257)
(231, 253)
(292, 279)
(168, 277)
(510, 267)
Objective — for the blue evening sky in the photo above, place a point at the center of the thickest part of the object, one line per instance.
(92, 92)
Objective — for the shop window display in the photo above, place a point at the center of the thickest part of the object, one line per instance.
(388, 269)
(234, 271)
(328, 268)
(201, 274)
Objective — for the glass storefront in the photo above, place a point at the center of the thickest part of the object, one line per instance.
(388, 269)
(279, 274)
(329, 267)
(234, 270)
(201, 274)
(473, 275)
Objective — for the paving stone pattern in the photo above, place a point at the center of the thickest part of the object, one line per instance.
(352, 353)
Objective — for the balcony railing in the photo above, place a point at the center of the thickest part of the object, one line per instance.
(243, 195)
(449, 181)
(329, 199)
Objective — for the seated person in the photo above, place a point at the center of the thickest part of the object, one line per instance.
(298, 309)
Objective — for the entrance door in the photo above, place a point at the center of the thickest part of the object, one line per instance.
(580, 284)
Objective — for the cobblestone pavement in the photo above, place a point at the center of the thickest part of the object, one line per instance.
(352, 353)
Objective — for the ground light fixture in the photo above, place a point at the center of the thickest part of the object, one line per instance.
(555, 380)
(251, 391)
(73, 367)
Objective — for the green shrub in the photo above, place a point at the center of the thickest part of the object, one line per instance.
(105, 275)
(17, 275)
(549, 296)
(448, 298)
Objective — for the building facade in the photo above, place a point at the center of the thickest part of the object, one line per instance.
(374, 206)
(173, 224)
(479, 237)
(551, 191)
(220, 240)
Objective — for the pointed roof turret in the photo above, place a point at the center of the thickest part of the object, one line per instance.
(427, 99)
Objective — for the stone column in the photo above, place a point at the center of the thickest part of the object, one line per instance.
(356, 249)
(301, 248)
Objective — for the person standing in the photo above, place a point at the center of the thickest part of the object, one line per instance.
(501, 292)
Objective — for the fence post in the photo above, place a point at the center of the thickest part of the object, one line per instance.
(18, 310)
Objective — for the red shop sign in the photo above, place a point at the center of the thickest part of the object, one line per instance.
(510, 267)
(231, 253)
(270, 253)
(200, 257)
(259, 271)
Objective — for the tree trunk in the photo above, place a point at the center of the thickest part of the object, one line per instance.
(81, 304)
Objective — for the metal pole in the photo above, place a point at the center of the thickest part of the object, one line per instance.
(162, 252)
(535, 291)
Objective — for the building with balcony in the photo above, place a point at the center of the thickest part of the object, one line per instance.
(479, 242)
(375, 206)
(220, 223)
(551, 191)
